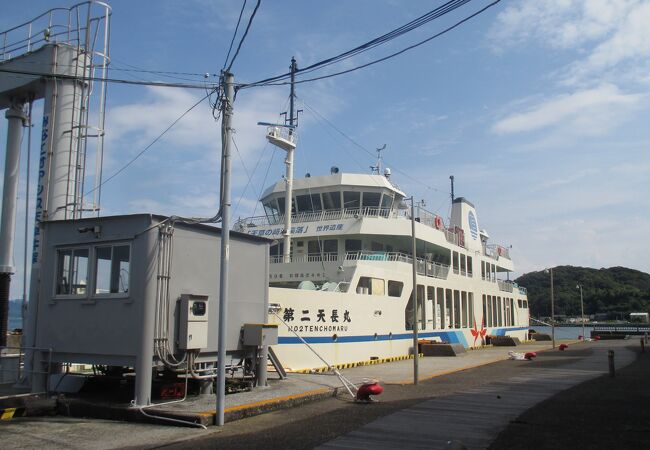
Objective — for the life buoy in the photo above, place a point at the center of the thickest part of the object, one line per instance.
(438, 222)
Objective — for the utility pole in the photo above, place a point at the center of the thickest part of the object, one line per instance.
(416, 352)
(286, 241)
(228, 81)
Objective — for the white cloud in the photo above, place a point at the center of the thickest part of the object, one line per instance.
(609, 36)
(585, 112)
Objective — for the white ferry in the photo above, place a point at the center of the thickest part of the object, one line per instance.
(345, 285)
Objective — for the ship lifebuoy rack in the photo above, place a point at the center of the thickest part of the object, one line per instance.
(438, 223)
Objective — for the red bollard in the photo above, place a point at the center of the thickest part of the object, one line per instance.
(563, 347)
(368, 389)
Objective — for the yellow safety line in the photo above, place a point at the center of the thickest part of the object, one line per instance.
(369, 362)
(8, 413)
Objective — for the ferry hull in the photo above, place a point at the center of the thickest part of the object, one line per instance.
(373, 329)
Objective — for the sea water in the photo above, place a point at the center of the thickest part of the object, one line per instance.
(564, 332)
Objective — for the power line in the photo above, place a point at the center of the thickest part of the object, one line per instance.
(241, 41)
(232, 41)
(110, 80)
(276, 81)
(142, 152)
(342, 133)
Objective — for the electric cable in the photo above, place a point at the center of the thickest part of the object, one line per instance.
(232, 41)
(276, 81)
(142, 152)
(106, 79)
(241, 41)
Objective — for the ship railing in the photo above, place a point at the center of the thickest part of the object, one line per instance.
(523, 290)
(452, 237)
(505, 286)
(316, 216)
(78, 25)
(309, 257)
(424, 267)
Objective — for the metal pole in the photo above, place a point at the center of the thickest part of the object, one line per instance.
(416, 353)
(226, 129)
(16, 120)
(582, 311)
(610, 360)
(286, 241)
(552, 311)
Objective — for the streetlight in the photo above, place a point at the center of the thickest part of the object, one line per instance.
(552, 307)
(582, 311)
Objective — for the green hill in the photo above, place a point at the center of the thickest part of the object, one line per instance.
(616, 291)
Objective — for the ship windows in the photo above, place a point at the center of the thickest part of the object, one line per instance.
(371, 199)
(331, 200)
(499, 312)
(457, 311)
(463, 265)
(454, 260)
(483, 270)
(281, 204)
(72, 272)
(308, 203)
(395, 288)
(351, 200)
(386, 203)
(470, 269)
(271, 210)
(371, 286)
(431, 310)
(440, 308)
(463, 298)
(448, 306)
(353, 245)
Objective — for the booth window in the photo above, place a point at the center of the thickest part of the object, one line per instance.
(112, 268)
(72, 272)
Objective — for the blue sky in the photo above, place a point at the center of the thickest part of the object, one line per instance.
(538, 108)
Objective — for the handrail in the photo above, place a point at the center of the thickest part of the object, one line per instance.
(75, 25)
(424, 267)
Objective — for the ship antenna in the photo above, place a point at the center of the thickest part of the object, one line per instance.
(377, 168)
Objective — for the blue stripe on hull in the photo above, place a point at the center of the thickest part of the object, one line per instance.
(453, 337)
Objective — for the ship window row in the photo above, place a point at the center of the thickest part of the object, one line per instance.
(522, 303)
(376, 286)
(107, 275)
(440, 308)
(462, 264)
(334, 200)
(498, 311)
(488, 271)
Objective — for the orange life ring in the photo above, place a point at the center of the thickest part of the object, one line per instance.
(438, 223)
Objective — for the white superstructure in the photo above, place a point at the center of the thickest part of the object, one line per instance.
(347, 287)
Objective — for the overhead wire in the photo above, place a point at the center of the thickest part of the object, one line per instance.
(416, 23)
(106, 79)
(243, 38)
(151, 144)
(342, 133)
(234, 35)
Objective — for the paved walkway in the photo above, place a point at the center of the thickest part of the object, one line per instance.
(475, 417)
(449, 417)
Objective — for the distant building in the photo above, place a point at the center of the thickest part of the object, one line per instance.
(639, 317)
